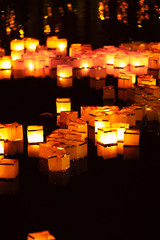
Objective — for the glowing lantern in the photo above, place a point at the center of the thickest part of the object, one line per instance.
(61, 48)
(18, 69)
(139, 64)
(131, 137)
(59, 162)
(121, 127)
(146, 80)
(64, 76)
(16, 55)
(9, 168)
(35, 134)
(31, 44)
(121, 63)
(63, 104)
(74, 47)
(107, 136)
(66, 116)
(124, 81)
(17, 45)
(29, 67)
(5, 67)
(52, 42)
(43, 235)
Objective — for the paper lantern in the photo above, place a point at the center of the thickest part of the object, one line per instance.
(43, 235)
(124, 81)
(80, 149)
(5, 67)
(74, 48)
(17, 45)
(121, 127)
(131, 137)
(64, 76)
(107, 136)
(35, 134)
(18, 69)
(14, 131)
(51, 42)
(16, 55)
(9, 168)
(63, 104)
(121, 63)
(66, 116)
(59, 162)
(139, 64)
(29, 67)
(46, 149)
(31, 44)
(61, 48)
(145, 80)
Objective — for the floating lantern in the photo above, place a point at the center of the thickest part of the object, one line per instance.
(66, 116)
(29, 67)
(131, 137)
(18, 69)
(61, 48)
(139, 64)
(124, 81)
(17, 45)
(51, 42)
(43, 235)
(9, 168)
(59, 162)
(145, 80)
(107, 136)
(31, 44)
(63, 104)
(5, 67)
(74, 48)
(16, 55)
(64, 76)
(121, 63)
(35, 134)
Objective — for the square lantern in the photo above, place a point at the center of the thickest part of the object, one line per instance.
(61, 48)
(74, 48)
(35, 134)
(131, 137)
(51, 42)
(107, 136)
(5, 67)
(139, 64)
(145, 80)
(66, 116)
(63, 104)
(17, 45)
(31, 44)
(43, 235)
(29, 67)
(59, 162)
(18, 69)
(64, 76)
(80, 149)
(124, 81)
(46, 149)
(121, 63)
(9, 168)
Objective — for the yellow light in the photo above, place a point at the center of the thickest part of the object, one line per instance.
(62, 75)
(30, 66)
(35, 134)
(5, 64)
(122, 64)
(61, 46)
(1, 146)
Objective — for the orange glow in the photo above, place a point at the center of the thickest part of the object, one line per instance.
(61, 46)
(107, 136)
(1, 146)
(63, 104)
(101, 124)
(35, 134)
(17, 45)
(31, 44)
(30, 66)
(5, 63)
(44, 235)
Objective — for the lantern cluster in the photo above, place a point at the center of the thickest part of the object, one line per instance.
(112, 131)
(11, 143)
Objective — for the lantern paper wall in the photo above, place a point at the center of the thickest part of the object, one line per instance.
(51, 42)
(9, 168)
(18, 69)
(131, 137)
(43, 235)
(65, 116)
(35, 134)
(64, 76)
(121, 63)
(61, 48)
(60, 162)
(139, 64)
(124, 81)
(16, 55)
(63, 104)
(5, 67)
(107, 136)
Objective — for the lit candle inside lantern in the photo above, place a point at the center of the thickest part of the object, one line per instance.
(63, 104)
(61, 48)
(31, 44)
(5, 67)
(29, 67)
(139, 64)
(1, 148)
(121, 63)
(64, 76)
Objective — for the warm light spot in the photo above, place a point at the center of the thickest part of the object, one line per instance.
(32, 46)
(1, 146)
(62, 75)
(61, 46)
(19, 47)
(136, 63)
(6, 65)
(30, 66)
(122, 64)
(110, 60)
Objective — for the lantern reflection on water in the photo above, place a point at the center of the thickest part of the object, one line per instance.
(64, 76)
(63, 104)
(43, 235)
